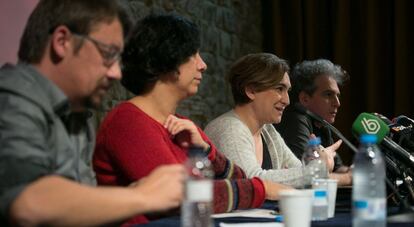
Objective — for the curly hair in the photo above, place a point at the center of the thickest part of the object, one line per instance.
(260, 71)
(158, 45)
(305, 73)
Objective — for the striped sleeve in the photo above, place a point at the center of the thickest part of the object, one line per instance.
(238, 194)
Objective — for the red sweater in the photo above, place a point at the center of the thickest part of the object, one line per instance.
(130, 144)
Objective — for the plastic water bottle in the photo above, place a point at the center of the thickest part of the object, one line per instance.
(314, 173)
(368, 192)
(197, 205)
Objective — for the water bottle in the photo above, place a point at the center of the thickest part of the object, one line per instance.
(315, 174)
(368, 192)
(197, 205)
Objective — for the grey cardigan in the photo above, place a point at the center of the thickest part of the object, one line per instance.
(234, 139)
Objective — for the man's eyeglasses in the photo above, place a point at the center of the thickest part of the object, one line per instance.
(109, 53)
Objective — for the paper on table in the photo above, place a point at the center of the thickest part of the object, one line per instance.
(253, 224)
(250, 213)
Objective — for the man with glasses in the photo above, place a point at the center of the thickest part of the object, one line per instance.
(110, 53)
(68, 57)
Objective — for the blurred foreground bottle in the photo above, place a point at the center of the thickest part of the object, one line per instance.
(197, 205)
(368, 191)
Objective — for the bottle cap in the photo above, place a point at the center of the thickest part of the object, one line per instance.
(314, 141)
(368, 138)
(196, 152)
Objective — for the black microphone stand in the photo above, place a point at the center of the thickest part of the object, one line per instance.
(342, 137)
(397, 171)
(406, 212)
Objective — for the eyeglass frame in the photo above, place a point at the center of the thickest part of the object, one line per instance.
(110, 53)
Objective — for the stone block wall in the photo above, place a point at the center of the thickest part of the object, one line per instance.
(229, 30)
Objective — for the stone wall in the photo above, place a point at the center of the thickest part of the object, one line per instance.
(229, 30)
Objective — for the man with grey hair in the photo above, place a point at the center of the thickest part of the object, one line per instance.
(315, 86)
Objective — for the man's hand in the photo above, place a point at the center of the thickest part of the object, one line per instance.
(327, 154)
(344, 179)
(163, 187)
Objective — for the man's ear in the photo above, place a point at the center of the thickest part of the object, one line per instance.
(250, 93)
(304, 98)
(60, 42)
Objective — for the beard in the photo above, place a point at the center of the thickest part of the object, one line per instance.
(95, 100)
(85, 104)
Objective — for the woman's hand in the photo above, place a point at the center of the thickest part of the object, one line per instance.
(185, 132)
(273, 189)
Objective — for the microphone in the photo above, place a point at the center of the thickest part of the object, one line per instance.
(370, 124)
(319, 119)
(400, 133)
(383, 118)
(404, 120)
